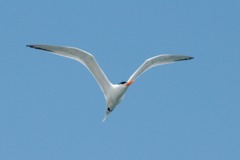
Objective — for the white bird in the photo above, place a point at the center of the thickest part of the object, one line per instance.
(113, 93)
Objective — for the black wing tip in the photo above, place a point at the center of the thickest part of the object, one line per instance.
(189, 58)
(38, 47)
(30, 46)
(183, 59)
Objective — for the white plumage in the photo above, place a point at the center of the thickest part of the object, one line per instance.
(113, 93)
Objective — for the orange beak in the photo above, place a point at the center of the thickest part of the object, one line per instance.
(129, 83)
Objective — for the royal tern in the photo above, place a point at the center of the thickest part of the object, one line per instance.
(113, 93)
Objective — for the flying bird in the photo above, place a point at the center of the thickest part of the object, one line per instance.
(113, 93)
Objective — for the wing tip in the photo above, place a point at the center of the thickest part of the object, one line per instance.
(30, 46)
(189, 58)
(38, 47)
(185, 58)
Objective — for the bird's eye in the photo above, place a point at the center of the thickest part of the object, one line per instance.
(123, 82)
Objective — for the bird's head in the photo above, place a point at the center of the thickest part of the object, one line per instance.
(127, 84)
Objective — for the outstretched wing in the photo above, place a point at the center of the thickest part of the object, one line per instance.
(155, 61)
(83, 57)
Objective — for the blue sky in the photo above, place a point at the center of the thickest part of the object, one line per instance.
(52, 108)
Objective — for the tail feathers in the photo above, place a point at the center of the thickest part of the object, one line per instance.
(105, 116)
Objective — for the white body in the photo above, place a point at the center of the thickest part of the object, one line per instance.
(113, 93)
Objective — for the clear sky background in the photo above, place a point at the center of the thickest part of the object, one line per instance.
(52, 108)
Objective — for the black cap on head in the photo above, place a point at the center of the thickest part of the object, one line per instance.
(123, 82)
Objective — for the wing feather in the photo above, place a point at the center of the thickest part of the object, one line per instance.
(83, 57)
(155, 61)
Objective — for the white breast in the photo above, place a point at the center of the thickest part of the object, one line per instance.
(115, 95)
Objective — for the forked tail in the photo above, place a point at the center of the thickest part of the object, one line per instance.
(105, 116)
